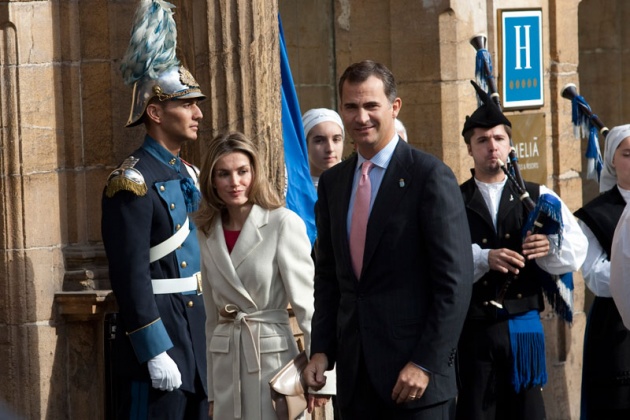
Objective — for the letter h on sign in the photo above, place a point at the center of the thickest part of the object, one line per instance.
(521, 58)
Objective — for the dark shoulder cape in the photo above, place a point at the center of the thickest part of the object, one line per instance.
(601, 216)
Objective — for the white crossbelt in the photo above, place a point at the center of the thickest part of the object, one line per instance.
(164, 248)
(180, 285)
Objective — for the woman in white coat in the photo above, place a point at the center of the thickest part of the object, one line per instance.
(255, 260)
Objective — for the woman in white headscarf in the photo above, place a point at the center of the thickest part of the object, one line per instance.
(324, 133)
(606, 366)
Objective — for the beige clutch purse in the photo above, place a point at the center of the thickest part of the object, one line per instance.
(288, 389)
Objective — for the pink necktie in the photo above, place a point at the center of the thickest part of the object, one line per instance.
(360, 214)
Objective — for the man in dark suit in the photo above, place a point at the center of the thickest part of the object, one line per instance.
(390, 320)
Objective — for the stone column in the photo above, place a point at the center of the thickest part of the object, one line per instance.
(564, 343)
(234, 46)
(31, 201)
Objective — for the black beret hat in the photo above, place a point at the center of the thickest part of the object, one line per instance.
(487, 115)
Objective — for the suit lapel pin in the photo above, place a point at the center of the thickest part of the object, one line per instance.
(511, 197)
(401, 183)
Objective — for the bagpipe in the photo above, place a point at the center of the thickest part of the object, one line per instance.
(544, 216)
(586, 123)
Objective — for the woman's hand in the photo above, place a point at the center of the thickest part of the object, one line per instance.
(314, 400)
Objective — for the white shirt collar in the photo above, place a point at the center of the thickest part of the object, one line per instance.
(382, 158)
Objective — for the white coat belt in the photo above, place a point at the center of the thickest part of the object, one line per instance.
(231, 313)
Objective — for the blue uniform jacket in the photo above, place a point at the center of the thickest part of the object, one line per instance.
(131, 224)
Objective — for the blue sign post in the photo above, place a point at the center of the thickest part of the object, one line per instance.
(521, 58)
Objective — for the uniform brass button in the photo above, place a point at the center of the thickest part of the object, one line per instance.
(178, 226)
(162, 188)
(191, 304)
(485, 304)
(184, 264)
(484, 241)
(485, 282)
(172, 206)
(507, 236)
(172, 161)
(518, 295)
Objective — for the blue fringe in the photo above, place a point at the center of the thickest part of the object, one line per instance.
(192, 196)
(583, 124)
(557, 289)
(560, 300)
(483, 57)
(551, 207)
(528, 351)
(593, 156)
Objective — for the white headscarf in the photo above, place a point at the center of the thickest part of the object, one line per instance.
(608, 177)
(312, 117)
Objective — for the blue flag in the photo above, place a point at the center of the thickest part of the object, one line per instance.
(301, 195)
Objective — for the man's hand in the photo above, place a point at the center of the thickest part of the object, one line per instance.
(411, 384)
(505, 260)
(164, 373)
(314, 372)
(535, 246)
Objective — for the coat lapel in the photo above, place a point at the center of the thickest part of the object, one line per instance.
(248, 239)
(395, 184)
(250, 236)
(339, 203)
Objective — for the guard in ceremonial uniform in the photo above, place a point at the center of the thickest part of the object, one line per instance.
(501, 355)
(149, 238)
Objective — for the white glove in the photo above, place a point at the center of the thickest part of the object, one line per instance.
(164, 373)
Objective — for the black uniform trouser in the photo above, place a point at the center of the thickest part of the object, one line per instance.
(484, 376)
(140, 401)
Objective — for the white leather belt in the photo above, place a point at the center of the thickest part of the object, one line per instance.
(185, 284)
(171, 244)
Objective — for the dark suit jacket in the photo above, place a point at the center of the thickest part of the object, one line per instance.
(415, 288)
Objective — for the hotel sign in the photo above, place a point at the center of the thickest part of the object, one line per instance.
(521, 58)
(530, 142)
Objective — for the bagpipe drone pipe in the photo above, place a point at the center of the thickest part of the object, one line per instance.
(586, 123)
(545, 215)
(485, 78)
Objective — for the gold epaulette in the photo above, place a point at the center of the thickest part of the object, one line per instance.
(126, 178)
